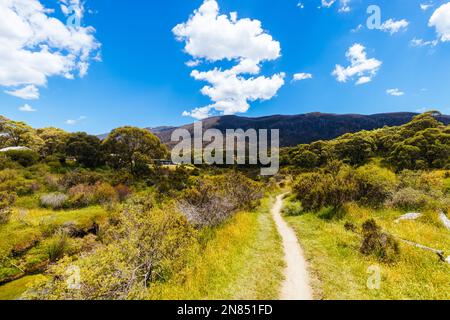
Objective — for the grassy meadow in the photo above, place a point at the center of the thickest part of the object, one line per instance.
(340, 271)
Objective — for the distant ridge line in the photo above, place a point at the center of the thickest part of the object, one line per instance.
(300, 128)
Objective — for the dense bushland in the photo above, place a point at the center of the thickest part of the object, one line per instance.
(422, 144)
(107, 207)
(401, 169)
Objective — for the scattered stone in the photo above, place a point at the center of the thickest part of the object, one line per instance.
(409, 216)
(445, 221)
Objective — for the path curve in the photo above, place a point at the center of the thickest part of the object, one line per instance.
(296, 284)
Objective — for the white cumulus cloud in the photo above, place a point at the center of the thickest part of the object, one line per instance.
(425, 6)
(302, 76)
(213, 37)
(360, 66)
(393, 26)
(35, 46)
(441, 21)
(27, 108)
(395, 92)
(30, 92)
(72, 122)
(423, 43)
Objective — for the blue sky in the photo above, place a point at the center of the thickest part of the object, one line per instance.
(142, 78)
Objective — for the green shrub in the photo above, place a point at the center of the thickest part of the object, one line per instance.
(5, 215)
(57, 246)
(104, 193)
(375, 184)
(20, 186)
(142, 248)
(78, 177)
(447, 185)
(293, 208)
(7, 175)
(379, 244)
(5, 162)
(322, 189)
(412, 199)
(25, 158)
(6, 200)
(54, 200)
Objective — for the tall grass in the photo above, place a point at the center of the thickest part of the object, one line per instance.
(242, 260)
(340, 271)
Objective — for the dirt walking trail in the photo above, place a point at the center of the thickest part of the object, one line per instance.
(296, 283)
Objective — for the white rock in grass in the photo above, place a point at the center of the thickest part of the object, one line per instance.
(448, 259)
(409, 216)
(445, 221)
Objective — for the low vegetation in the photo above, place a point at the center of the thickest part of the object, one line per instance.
(82, 218)
(346, 205)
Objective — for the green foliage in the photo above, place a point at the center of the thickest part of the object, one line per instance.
(12, 181)
(377, 243)
(57, 246)
(78, 177)
(86, 149)
(6, 201)
(54, 141)
(142, 248)
(355, 149)
(134, 149)
(375, 185)
(25, 158)
(293, 208)
(18, 134)
(424, 143)
(323, 189)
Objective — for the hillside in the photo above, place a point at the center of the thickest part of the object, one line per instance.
(303, 128)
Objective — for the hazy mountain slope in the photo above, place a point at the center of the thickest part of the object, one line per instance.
(304, 128)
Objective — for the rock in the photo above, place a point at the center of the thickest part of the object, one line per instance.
(409, 216)
(445, 221)
(448, 259)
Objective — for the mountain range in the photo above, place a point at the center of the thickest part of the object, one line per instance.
(299, 129)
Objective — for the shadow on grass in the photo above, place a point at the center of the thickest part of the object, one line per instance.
(330, 213)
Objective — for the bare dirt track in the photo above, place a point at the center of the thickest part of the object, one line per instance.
(296, 284)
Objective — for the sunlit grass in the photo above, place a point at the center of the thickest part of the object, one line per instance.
(242, 260)
(28, 225)
(13, 290)
(28, 228)
(341, 272)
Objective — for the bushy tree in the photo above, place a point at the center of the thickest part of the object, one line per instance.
(25, 158)
(355, 149)
(18, 134)
(54, 141)
(133, 148)
(86, 149)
